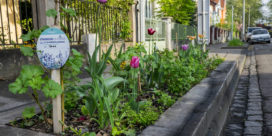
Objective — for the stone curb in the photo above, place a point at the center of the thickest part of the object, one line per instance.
(204, 107)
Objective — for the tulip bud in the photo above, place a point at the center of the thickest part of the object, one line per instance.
(135, 61)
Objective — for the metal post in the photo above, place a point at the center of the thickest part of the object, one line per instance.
(203, 11)
(243, 32)
(249, 17)
(232, 24)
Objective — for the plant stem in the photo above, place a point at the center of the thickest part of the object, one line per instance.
(139, 82)
(36, 98)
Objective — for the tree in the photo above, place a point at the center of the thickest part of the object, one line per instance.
(253, 5)
(181, 10)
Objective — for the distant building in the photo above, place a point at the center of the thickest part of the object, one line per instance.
(218, 11)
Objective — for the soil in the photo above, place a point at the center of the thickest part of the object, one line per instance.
(75, 119)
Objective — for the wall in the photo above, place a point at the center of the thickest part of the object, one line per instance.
(12, 60)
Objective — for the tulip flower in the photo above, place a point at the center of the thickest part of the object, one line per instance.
(191, 37)
(135, 61)
(201, 36)
(184, 47)
(151, 31)
(102, 1)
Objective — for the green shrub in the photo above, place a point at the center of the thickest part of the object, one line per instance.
(235, 42)
(147, 115)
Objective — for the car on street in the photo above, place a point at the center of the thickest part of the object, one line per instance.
(260, 35)
(249, 32)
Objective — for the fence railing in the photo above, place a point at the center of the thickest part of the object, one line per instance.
(15, 20)
(86, 20)
(178, 33)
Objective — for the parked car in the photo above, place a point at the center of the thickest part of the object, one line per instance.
(249, 32)
(260, 35)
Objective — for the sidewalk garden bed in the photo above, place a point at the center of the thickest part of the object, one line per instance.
(235, 44)
(143, 85)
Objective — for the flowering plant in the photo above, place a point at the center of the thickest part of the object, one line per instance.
(191, 37)
(185, 47)
(151, 31)
(102, 1)
(134, 63)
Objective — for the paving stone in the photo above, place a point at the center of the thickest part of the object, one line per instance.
(255, 118)
(233, 133)
(259, 104)
(254, 97)
(253, 124)
(239, 105)
(238, 115)
(254, 108)
(267, 106)
(254, 112)
(235, 126)
(268, 131)
(253, 131)
(239, 101)
(255, 94)
(255, 100)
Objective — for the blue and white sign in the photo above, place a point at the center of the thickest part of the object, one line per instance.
(53, 48)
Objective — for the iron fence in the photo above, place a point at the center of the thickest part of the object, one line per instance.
(180, 33)
(15, 20)
(87, 18)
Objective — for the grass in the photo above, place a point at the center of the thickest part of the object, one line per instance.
(235, 43)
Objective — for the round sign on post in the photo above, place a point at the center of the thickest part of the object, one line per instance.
(53, 48)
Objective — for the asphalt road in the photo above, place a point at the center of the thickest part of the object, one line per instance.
(264, 68)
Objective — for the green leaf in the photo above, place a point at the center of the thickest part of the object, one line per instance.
(51, 13)
(31, 71)
(106, 101)
(36, 83)
(69, 11)
(52, 89)
(91, 104)
(28, 112)
(84, 110)
(111, 82)
(18, 87)
(89, 134)
(27, 37)
(27, 51)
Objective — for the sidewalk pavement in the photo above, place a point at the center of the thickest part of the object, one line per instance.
(11, 106)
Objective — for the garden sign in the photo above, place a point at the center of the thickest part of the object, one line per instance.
(53, 48)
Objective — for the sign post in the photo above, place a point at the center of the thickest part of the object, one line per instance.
(53, 49)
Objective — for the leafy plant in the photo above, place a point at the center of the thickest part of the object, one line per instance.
(180, 10)
(51, 13)
(165, 99)
(28, 112)
(148, 115)
(33, 77)
(235, 42)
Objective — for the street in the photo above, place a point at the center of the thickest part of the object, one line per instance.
(250, 112)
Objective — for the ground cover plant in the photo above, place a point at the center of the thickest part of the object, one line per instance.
(235, 43)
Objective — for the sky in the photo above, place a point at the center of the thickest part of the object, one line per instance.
(265, 9)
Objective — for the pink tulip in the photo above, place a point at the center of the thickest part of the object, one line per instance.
(151, 31)
(184, 47)
(135, 61)
(102, 1)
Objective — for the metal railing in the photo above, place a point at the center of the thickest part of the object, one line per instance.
(180, 33)
(86, 20)
(15, 20)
